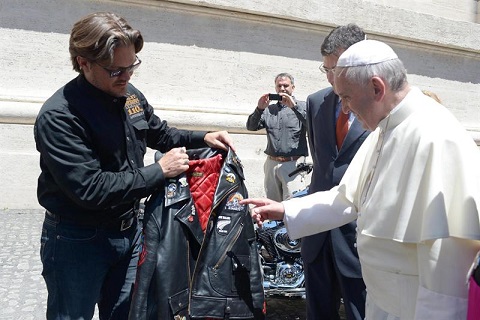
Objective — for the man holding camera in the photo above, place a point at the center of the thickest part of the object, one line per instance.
(285, 123)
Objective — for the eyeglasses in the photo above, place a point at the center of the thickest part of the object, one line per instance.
(118, 72)
(326, 70)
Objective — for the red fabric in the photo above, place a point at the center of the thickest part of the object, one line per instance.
(143, 254)
(202, 177)
(341, 128)
(473, 300)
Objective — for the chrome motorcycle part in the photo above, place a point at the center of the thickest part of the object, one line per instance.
(284, 243)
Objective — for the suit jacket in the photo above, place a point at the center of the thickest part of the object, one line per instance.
(329, 165)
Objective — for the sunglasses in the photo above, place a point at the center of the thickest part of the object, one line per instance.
(118, 72)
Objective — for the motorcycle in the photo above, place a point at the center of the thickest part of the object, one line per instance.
(280, 256)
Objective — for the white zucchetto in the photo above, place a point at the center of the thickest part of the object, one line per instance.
(366, 52)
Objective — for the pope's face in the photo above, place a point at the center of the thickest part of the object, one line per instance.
(357, 98)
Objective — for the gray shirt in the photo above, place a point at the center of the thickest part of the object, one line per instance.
(286, 129)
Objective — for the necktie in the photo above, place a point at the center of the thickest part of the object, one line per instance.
(341, 128)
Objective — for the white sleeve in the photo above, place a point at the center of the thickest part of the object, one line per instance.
(317, 212)
(443, 265)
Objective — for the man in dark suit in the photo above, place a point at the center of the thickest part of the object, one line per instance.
(332, 268)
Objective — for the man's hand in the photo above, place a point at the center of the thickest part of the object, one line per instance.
(219, 139)
(174, 162)
(263, 102)
(265, 209)
(288, 100)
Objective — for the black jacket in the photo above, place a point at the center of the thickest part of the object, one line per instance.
(195, 265)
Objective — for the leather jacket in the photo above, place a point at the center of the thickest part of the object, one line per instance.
(200, 257)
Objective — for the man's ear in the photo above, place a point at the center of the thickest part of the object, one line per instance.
(83, 63)
(378, 88)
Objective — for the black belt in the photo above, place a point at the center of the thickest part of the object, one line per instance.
(120, 225)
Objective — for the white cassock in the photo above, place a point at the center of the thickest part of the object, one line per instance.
(415, 187)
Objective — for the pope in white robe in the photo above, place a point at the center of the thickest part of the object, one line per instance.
(414, 188)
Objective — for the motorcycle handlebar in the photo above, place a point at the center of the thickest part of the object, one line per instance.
(307, 167)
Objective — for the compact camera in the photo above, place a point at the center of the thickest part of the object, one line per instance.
(274, 96)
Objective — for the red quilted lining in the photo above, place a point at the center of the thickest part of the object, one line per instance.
(202, 177)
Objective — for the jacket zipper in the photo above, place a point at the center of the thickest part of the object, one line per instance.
(202, 246)
(229, 247)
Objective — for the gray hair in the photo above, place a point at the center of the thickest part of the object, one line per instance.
(96, 36)
(392, 72)
(285, 75)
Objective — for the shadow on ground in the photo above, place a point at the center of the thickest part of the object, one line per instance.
(279, 308)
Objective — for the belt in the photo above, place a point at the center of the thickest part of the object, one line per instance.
(284, 159)
(120, 225)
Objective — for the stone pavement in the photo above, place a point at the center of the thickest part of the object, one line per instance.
(22, 289)
(23, 293)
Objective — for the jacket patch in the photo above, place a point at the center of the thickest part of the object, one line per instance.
(171, 190)
(233, 202)
(197, 174)
(224, 225)
(237, 161)
(183, 182)
(230, 178)
(192, 213)
(133, 107)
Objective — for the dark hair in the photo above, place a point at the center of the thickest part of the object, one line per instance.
(341, 38)
(96, 36)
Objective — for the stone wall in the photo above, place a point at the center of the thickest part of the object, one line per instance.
(205, 63)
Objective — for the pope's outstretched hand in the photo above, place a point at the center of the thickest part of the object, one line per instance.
(265, 209)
